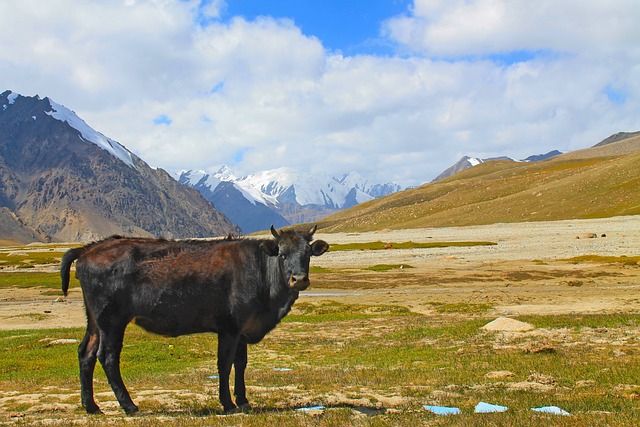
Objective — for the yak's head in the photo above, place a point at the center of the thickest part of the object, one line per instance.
(295, 251)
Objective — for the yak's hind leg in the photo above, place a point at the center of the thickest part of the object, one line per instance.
(109, 355)
(240, 364)
(87, 359)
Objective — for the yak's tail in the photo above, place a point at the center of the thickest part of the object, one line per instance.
(65, 265)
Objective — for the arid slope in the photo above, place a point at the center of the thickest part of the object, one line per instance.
(598, 182)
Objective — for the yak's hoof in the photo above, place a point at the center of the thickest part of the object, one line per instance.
(245, 408)
(231, 410)
(93, 410)
(130, 410)
(234, 410)
(242, 408)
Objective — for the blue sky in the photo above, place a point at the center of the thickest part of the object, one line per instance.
(395, 90)
(352, 27)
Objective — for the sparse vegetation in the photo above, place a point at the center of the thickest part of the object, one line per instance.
(462, 308)
(398, 339)
(387, 267)
(376, 246)
(32, 279)
(382, 361)
(625, 260)
(29, 259)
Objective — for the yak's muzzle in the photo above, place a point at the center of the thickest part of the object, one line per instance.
(299, 282)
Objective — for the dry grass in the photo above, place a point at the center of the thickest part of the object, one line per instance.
(503, 191)
(368, 365)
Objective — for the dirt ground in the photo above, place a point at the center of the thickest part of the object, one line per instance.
(525, 273)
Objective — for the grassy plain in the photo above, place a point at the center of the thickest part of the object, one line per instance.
(370, 342)
(367, 364)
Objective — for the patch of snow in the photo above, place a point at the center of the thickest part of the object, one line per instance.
(443, 410)
(192, 178)
(254, 196)
(62, 113)
(474, 161)
(554, 410)
(485, 408)
(12, 97)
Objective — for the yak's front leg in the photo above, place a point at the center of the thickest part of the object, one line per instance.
(227, 345)
(240, 364)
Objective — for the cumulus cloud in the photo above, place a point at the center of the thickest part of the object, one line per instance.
(184, 87)
(454, 28)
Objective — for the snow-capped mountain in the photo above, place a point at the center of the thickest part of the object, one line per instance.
(284, 185)
(375, 190)
(290, 195)
(464, 163)
(62, 113)
(61, 180)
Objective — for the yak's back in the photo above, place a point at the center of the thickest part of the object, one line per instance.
(134, 251)
(116, 249)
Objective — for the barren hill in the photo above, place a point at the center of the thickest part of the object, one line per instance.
(616, 145)
(597, 182)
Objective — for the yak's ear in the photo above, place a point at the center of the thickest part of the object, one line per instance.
(270, 247)
(319, 247)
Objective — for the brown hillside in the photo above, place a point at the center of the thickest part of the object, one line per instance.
(592, 183)
(627, 145)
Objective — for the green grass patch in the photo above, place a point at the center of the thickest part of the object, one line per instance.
(345, 356)
(30, 356)
(29, 259)
(332, 311)
(615, 320)
(322, 270)
(378, 268)
(32, 279)
(625, 260)
(378, 245)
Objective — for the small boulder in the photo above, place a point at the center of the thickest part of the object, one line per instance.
(505, 324)
(586, 236)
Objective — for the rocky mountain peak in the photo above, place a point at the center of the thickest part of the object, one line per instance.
(68, 182)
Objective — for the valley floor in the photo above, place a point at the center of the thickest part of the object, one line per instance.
(375, 344)
(526, 272)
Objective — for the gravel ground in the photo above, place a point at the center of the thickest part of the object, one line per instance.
(515, 241)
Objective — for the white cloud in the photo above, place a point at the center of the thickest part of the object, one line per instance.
(454, 28)
(263, 92)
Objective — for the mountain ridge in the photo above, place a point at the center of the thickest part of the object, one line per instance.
(467, 162)
(291, 196)
(597, 182)
(66, 187)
